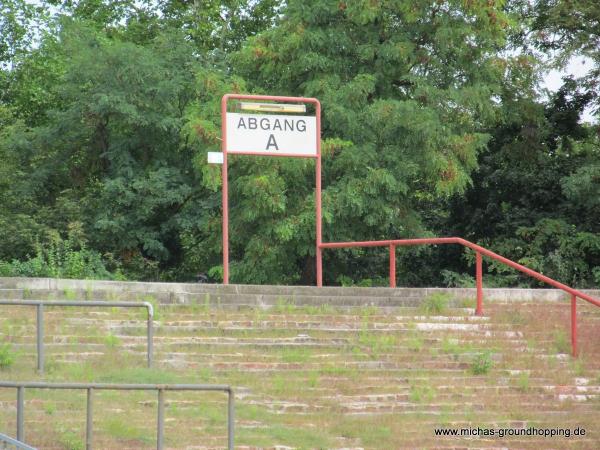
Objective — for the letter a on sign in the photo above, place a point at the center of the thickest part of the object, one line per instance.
(271, 134)
(272, 143)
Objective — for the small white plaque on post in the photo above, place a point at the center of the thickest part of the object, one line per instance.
(215, 158)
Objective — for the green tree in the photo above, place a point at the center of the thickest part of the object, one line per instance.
(565, 28)
(211, 25)
(111, 153)
(19, 22)
(534, 196)
(220, 25)
(407, 88)
(94, 129)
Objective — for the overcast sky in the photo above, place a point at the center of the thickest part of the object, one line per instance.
(578, 67)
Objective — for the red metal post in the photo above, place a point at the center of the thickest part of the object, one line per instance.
(319, 238)
(479, 283)
(392, 266)
(574, 324)
(224, 190)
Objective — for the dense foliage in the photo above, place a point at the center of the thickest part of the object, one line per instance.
(433, 124)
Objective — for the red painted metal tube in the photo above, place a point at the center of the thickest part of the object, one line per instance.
(392, 265)
(224, 191)
(385, 243)
(479, 283)
(574, 324)
(318, 212)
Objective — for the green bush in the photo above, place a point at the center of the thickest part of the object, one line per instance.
(423, 393)
(346, 281)
(561, 342)
(59, 258)
(482, 363)
(70, 439)
(5, 269)
(459, 280)
(554, 247)
(523, 382)
(7, 356)
(112, 341)
(435, 303)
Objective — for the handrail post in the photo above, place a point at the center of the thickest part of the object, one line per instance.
(574, 324)
(319, 266)
(224, 191)
(150, 336)
(40, 337)
(392, 266)
(318, 203)
(20, 412)
(89, 422)
(230, 419)
(160, 433)
(479, 284)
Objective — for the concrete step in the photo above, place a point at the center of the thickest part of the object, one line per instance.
(11, 294)
(236, 301)
(175, 292)
(312, 368)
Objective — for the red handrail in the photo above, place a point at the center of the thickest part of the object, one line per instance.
(479, 251)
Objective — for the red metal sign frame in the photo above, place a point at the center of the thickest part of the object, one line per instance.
(225, 190)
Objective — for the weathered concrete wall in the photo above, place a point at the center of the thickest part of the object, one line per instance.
(176, 290)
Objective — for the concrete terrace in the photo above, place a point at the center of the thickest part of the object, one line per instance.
(339, 368)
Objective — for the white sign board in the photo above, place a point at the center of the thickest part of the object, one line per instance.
(271, 134)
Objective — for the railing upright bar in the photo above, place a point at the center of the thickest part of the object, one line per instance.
(392, 266)
(160, 421)
(89, 420)
(574, 324)
(20, 412)
(40, 337)
(150, 332)
(230, 420)
(479, 283)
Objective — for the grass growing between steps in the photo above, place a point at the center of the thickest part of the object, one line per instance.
(307, 436)
(305, 377)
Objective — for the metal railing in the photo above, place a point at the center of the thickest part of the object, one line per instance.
(41, 304)
(90, 387)
(479, 251)
(7, 443)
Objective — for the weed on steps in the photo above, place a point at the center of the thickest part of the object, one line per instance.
(310, 376)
